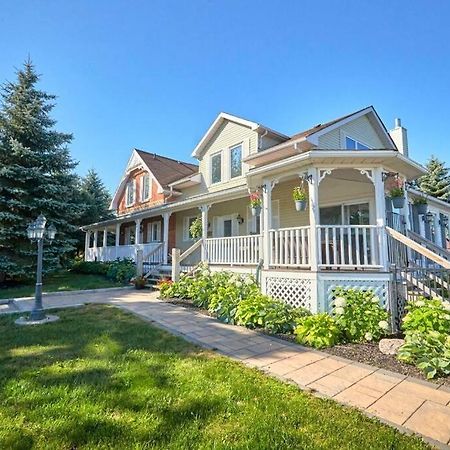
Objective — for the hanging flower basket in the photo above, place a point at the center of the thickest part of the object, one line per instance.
(398, 202)
(300, 197)
(255, 203)
(397, 194)
(196, 228)
(421, 205)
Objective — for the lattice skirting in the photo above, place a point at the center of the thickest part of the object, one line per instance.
(379, 286)
(298, 292)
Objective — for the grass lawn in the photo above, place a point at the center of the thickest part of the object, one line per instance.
(60, 281)
(101, 378)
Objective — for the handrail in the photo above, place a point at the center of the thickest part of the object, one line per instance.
(190, 250)
(418, 248)
(429, 244)
(233, 237)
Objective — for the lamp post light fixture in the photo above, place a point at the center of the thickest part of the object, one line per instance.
(36, 233)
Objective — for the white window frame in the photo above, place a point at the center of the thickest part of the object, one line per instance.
(149, 182)
(221, 153)
(133, 184)
(186, 226)
(356, 143)
(150, 227)
(230, 149)
(370, 201)
(218, 227)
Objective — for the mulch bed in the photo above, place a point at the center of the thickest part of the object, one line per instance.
(366, 353)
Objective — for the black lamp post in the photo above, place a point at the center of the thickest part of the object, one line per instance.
(36, 233)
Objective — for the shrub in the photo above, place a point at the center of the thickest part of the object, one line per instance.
(318, 330)
(427, 336)
(359, 315)
(121, 270)
(90, 267)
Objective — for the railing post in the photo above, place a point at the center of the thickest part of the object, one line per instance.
(117, 239)
(204, 210)
(380, 208)
(267, 219)
(139, 262)
(95, 245)
(393, 299)
(166, 219)
(176, 264)
(314, 218)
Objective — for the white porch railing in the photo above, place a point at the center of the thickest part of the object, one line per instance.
(239, 250)
(289, 247)
(349, 246)
(110, 253)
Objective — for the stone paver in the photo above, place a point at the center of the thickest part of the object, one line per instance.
(418, 406)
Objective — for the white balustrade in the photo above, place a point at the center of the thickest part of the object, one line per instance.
(110, 253)
(351, 246)
(239, 250)
(289, 247)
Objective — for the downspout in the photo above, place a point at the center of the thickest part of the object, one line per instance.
(266, 132)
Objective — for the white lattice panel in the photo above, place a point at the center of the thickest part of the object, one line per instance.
(380, 287)
(296, 292)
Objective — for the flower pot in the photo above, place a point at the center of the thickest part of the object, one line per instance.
(398, 202)
(422, 208)
(300, 205)
(139, 286)
(256, 210)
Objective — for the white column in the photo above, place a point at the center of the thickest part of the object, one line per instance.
(105, 237)
(87, 241)
(95, 245)
(137, 234)
(314, 218)
(380, 215)
(267, 221)
(166, 219)
(406, 209)
(204, 209)
(117, 239)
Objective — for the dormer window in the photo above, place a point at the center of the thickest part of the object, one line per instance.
(216, 168)
(353, 144)
(130, 193)
(145, 187)
(236, 161)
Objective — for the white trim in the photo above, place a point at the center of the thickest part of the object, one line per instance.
(127, 187)
(149, 182)
(150, 232)
(356, 141)
(229, 151)
(221, 153)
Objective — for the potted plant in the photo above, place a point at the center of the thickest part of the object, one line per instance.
(196, 228)
(421, 204)
(300, 197)
(255, 203)
(397, 194)
(139, 282)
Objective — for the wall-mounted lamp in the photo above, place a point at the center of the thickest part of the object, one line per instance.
(444, 221)
(240, 219)
(428, 217)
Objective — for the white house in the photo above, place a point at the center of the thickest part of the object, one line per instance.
(348, 235)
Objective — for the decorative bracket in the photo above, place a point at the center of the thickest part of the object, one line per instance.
(368, 173)
(323, 173)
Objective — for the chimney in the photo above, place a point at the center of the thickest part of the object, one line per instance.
(400, 137)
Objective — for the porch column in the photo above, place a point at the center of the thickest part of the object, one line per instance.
(267, 221)
(95, 245)
(380, 215)
(87, 241)
(105, 237)
(117, 239)
(406, 210)
(204, 209)
(314, 218)
(166, 218)
(137, 233)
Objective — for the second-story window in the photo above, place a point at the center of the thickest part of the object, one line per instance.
(216, 168)
(145, 187)
(236, 161)
(353, 144)
(130, 193)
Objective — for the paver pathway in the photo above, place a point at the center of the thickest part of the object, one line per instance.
(407, 403)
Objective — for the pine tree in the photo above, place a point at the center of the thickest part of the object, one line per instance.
(437, 181)
(36, 176)
(95, 197)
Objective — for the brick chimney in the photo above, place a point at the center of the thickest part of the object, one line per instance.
(400, 137)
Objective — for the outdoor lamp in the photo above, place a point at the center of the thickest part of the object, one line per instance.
(51, 232)
(31, 231)
(444, 221)
(39, 226)
(240, 219)
(429, 217)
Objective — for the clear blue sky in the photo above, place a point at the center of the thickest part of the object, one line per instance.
(154, 74)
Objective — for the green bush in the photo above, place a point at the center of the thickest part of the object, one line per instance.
(90, 267)
(427, 336)
(359, 315)
(318, 330)
(121, 270)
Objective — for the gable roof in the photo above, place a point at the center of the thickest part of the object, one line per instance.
(166, 170)
(223, 117)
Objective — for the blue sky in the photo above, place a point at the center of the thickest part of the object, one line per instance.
(154, 74)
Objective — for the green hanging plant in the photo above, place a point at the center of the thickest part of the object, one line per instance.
(196, 228)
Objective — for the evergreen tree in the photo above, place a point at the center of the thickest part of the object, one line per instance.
(36, 176)
(437, 181)
(95, 197)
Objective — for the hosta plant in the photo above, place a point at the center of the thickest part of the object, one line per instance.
(359, 315)
(318, 330)
(427, 314)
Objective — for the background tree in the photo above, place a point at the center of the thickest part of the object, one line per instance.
(36, 176)
(437, 181)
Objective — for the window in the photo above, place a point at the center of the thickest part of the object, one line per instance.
(145, 187)
(356, 214)
(154, 232)
(130, 193)
(236, 161)
(353, 144)
(216, 168)
(187, 222)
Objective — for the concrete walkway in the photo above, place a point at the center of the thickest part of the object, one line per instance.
(407, 403)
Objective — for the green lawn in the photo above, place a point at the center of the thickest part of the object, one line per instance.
(101, 378)
(61, 281)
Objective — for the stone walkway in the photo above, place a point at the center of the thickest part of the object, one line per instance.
(407, 403)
